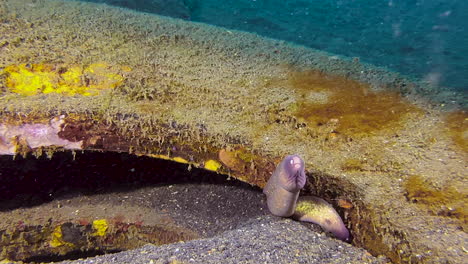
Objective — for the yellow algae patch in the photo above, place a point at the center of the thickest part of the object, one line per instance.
(103, 78)
(7, 261)
(165, 157)
(100, 226)
(57, 240)
(180, 160)
(159, 156)
(212, 165)
(33, 79)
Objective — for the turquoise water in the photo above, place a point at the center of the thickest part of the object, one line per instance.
(426, 39)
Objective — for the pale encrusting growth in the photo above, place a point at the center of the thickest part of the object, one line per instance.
(34, 136)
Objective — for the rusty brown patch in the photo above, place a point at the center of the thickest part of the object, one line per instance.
(352, 105)
(445, 201)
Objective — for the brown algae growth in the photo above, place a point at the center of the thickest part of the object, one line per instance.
(351, 105)
(457, 124)
(32, 79)
(445, 201)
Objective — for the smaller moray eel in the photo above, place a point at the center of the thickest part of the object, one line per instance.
(318, 211)
(282, 192)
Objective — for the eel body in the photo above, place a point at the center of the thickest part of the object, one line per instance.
(282, 192)
(316, 210)
(282, 189)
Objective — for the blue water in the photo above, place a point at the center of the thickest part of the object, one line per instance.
(426, 39)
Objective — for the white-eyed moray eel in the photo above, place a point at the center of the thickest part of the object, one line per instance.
(282, 192)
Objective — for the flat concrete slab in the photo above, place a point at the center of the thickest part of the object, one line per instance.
(79, 76)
